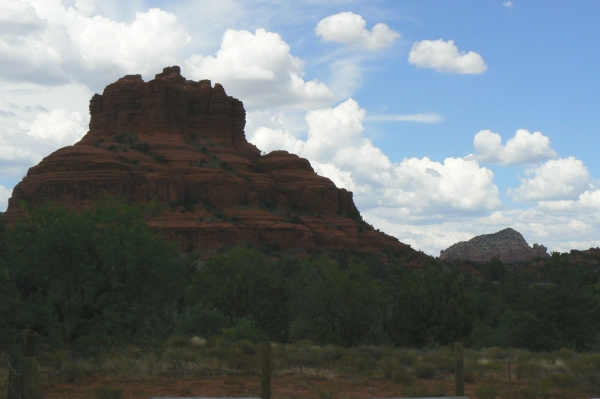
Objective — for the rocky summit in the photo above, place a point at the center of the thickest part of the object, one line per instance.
(180, 145)
(508, 245)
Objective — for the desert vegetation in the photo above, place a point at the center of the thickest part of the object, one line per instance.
(325, 371)
(109, 296)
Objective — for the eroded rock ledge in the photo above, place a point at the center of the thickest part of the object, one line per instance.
(181, 144)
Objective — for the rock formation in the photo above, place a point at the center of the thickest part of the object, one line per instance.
(181, 144)
(508, 245)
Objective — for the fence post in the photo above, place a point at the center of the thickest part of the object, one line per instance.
(459, 381)
(23, 378)
(265, 370)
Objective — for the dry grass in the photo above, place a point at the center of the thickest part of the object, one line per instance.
(425, 372)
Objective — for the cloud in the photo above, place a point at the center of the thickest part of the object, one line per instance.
(26, 143)
(24, 54)
(418, 189)
(5, 194)
(421, 118)
(349, 28)
(50, 44)
(18, 18)
(259, 68)
(445, 57)
(268, 140)
(557, 231)
(524, 148)
(560, 179)
(508, 4)
(59, 126)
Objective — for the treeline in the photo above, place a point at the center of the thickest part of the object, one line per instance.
(103, 278)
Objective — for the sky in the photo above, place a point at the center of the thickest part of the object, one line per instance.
(446, 119)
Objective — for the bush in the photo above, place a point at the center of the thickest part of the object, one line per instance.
(126, 137)
(178, 342)
(563, 380)
(533, 393)
(487, 392)
(416, 391)
(243, 329)
(530, 370)
(393, 369)
(203, 322)
(425, 371)
(407, 358)
(247, 347)
(72, 371)
(106, 392)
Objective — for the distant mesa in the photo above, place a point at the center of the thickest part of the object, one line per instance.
(180, 145)
(508, 245)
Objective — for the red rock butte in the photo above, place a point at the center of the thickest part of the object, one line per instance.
(181, 144)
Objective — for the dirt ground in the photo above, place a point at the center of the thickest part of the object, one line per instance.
(287, 386)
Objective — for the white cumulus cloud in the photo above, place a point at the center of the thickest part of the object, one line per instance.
(523, 148)
(18, 17)
(26, 143)
(350, 28)
(559, 179)
(259, 68)
(445, 57)
(48, 43)
(59, 126)
(417, 189)
(4, 196)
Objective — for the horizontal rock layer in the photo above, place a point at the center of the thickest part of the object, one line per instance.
(180, 146)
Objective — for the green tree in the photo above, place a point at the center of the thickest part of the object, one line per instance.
(99, 276)
(8, 293)
(430, 307)
(334, 305)
(244, 283)
(203, 322)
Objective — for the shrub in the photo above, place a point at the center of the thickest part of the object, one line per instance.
(416, 391)
(533, 393)
(178, 342)
(393, 369)
(406, 358)
(530, 370)
(487, 392)
(247, 347)
(243, 329)
(563, 380)
(203, 322)
(72, 371)
(225, 166)
(425, 371)
(106, 392)
(141, 147)
(126, 137)
(198, 342)
(327, 393)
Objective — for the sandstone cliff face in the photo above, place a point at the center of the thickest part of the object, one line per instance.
(181, 144)
(507, 245)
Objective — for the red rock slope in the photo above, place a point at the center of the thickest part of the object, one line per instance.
(181, 143)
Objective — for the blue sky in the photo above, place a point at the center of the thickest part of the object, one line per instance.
(402, 102)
